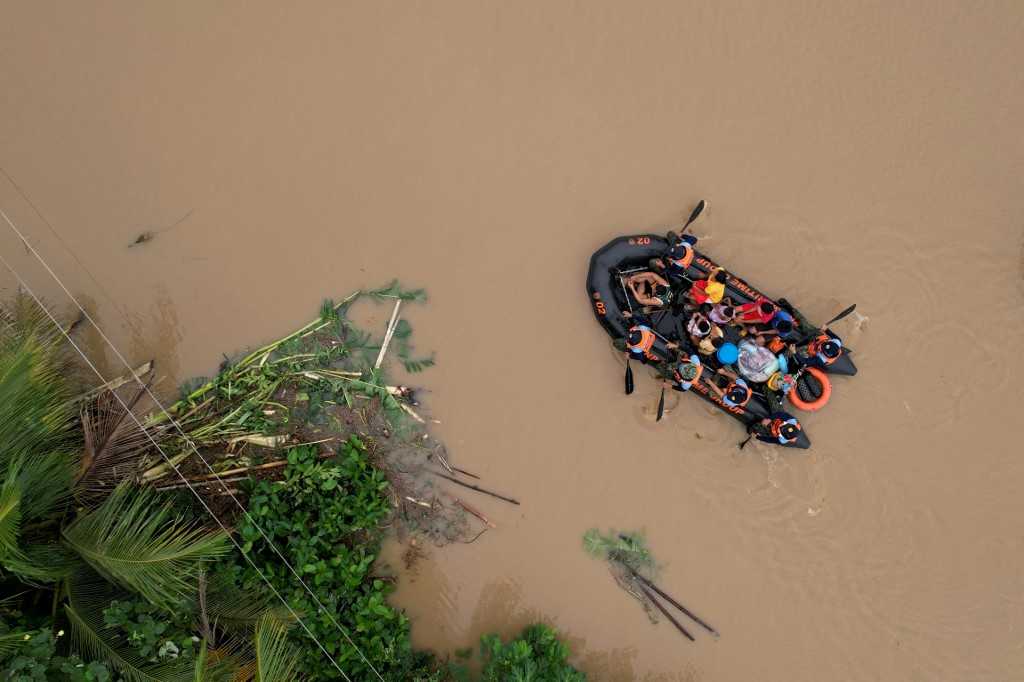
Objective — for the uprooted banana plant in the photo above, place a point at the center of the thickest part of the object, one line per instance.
(250, 400)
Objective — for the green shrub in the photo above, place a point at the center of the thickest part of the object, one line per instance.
(536, 655)
(150, 632)
(325, 517)
(34, 658)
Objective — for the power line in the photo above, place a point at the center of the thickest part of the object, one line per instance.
(149, 436)
(187, 440)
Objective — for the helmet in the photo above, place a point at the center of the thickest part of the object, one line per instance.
(790, 432)
(737, 394)
(634, 337)
(688, 371)
(831, 349)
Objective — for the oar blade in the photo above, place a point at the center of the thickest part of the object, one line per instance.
(698, 209)
(841, 315)
(661, 405)
(629, 378)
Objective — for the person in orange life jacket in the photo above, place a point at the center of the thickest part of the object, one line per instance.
(781, 427)
(639, 342)
(820, 352)
(678, 257)
(760, 311)
(736, 394)
(710, 290)
(643, 282)
(686, 373)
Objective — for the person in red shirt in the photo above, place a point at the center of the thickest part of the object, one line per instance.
(760, 311)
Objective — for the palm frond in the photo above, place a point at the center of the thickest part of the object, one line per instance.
(11, 642)
(239, 610)
(93, 638)
(627, 548)
(394, 290)
(277, 659)
(36, 414)
(45, 482)
(114, 444)
(10, 511)
(213, 665)
(137, 540)
(38, 564)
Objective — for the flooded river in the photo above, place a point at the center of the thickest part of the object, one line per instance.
(850, 152)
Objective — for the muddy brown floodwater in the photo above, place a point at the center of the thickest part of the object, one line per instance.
(866, 152)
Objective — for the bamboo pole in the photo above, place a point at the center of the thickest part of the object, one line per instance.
(474, 512)
(476, 488)
(388, 334)
(665, 613)
(120, 381)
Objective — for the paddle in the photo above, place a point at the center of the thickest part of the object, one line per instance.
(693, 216)
(841, 315)
(629, 377)
(830, 322)
(661, 405)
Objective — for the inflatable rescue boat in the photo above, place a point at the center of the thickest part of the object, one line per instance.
(610, 298)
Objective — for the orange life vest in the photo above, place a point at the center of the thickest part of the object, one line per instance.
(647, 339)
(777, 424)
(814, 348)
(679, 377)
(745, 388)
(684, 262)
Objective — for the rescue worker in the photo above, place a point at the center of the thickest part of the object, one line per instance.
(736, 394)
(780, 427)
(820, 352)
(675, 261)
(639, 344)
(685, 374)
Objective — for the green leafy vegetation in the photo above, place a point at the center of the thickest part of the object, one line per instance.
(536, 655)
(117, 574)
(627, 548)
(325, 516)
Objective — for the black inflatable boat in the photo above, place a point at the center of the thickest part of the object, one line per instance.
(608, 298)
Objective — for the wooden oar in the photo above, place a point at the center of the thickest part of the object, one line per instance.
(830, 322)
(693, 216)
(841, 315)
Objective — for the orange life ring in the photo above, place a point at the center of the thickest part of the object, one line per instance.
(826, 392)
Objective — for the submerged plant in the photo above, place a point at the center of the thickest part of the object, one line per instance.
(628, 549)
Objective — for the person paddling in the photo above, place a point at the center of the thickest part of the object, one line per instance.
(736, 394)
(781, 427)
(640, 344)
(686, 373)
(820, 352)
(675, 261)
